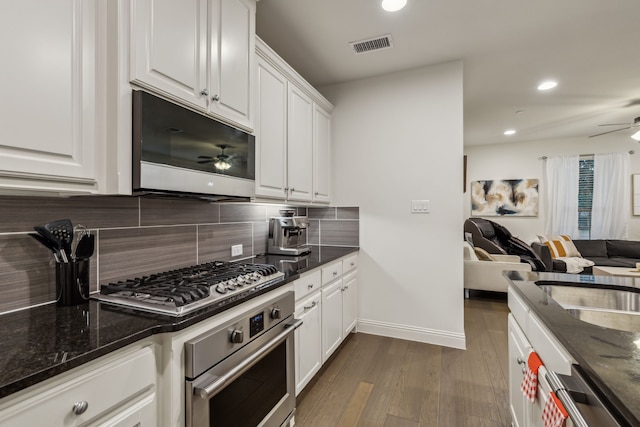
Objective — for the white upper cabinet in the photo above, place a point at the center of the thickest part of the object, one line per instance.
(47, 93)
(271, 126)
(293, 134)
(198, 52)
(169, 48)
(321, 155)
(299, 145)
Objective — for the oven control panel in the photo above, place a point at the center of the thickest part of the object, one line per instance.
(256, 324)
(209, 348)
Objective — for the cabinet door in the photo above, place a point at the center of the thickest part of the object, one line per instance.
(308, 340)
(48, 96)
(331, 318)
(169, 48)
(349, 302)
(139, 414)
(299, 145)
(518, 353)
(321, 155)
(232, 47)
(271, 132)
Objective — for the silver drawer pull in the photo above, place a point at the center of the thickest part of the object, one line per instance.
(309, 307)
(79, 408)
(310, 286)
(352, 264)
(335, 273)
(520, 360)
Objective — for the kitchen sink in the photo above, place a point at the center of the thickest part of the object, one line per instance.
(609, 308)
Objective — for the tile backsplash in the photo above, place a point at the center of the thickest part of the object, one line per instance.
(142, 235)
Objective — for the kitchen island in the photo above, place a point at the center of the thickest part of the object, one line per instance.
(608, 358)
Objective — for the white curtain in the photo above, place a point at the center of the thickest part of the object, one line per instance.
(561, 183)
(611, 193)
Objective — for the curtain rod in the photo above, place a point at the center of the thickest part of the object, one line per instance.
(545, 157)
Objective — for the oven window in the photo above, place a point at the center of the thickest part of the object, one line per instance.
(248, 399)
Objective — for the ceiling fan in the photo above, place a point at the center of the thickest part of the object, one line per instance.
(221, 161)
(634, 124)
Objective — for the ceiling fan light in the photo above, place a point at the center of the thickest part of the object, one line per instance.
(222, 165)
(636, 136)
(393, 5)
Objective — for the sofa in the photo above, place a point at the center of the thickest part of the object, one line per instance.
(611, 253)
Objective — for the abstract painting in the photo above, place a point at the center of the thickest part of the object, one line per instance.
(506, 197)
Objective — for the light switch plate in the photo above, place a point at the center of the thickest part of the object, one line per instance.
(419, 206)
(236, 250)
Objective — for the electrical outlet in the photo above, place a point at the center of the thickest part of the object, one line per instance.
(419, 206)
(236, 250)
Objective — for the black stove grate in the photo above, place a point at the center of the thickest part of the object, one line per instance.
(183, 286)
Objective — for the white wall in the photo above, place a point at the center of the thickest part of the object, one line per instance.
(522, 160)
(396, 138)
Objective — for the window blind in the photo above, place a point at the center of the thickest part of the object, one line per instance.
(585, 196)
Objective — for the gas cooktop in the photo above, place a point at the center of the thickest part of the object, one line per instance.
(178, 292)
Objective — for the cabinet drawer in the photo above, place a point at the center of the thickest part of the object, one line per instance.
(331, 272)
(103, 387)
(518, 308)
(307, 284)
(552, 353)
(349, 263)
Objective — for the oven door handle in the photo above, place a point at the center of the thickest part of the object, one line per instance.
(222, 381)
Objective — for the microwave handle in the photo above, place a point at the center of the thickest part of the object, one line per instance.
(210, 390)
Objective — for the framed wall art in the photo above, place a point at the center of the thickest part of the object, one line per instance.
(506, 197)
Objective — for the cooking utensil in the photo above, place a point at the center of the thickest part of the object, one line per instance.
(63, 231)
(85, 247)
(47, 244)
(79, 231)
(52, 240)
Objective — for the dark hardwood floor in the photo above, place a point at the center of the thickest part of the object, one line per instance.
(387, 382)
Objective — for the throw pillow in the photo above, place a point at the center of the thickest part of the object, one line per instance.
(483, 255)
(560, 246)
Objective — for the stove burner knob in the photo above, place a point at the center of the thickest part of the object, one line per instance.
(275, 313)
(221, 289)
(237, 336)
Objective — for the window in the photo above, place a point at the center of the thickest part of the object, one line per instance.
(585, 196)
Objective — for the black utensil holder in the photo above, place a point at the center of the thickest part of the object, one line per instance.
(72, 282)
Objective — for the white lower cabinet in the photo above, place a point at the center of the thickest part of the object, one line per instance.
(117, 390)
(331, 318)
(519, 349)
(349, 302)
(528, 333)
(326, 301)
(307, 339)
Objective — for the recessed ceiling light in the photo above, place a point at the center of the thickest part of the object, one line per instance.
(509, 132)
(393, 5)
(546, 85)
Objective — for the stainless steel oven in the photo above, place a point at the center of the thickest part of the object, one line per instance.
(242, 372)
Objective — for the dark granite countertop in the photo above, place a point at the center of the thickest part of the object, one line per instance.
(609, 358)
(41, 342)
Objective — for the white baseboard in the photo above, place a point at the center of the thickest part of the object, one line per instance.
(425, 335)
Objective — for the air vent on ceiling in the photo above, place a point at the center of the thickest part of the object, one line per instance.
(376, 43)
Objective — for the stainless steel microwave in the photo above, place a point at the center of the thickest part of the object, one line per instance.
(179, 151)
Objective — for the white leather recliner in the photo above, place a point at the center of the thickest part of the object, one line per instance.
(487, 275)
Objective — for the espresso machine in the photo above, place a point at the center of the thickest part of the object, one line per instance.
(288, 234)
